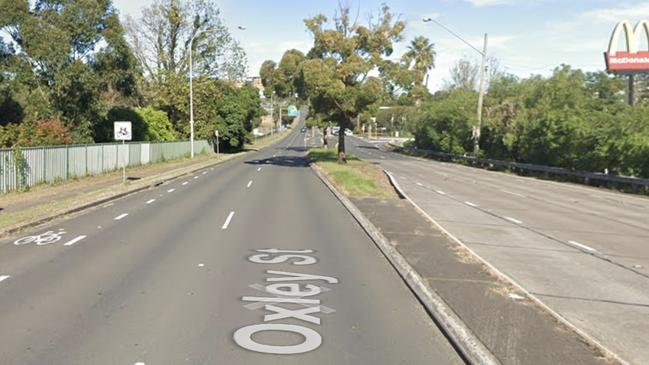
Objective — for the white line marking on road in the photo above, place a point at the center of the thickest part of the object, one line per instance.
(72, 242)
(204, 172)
(4, 277)
(108, 205)
(582, 246)
(440, 192)
(227, 221)
(250, 183)
(150, 201)
(186, 182)
(471, 204)
(121, 216)
(171, 190)
(274, 155)
(201, 265)
(140, 363)
(512, 193)
(196, 177)
(514, 220)
(259, 169)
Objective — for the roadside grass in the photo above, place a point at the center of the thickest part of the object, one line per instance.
(357, 179)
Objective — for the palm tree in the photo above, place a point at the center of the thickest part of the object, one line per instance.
(422, 53)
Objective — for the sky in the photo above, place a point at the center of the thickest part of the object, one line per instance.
(527, 36)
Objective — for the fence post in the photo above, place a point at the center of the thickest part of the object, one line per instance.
(67, 163)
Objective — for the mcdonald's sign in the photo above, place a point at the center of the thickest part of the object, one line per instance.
(632, 60)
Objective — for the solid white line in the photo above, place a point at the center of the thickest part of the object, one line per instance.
(4, 277)
(171, 190)
(471, 204)
(150, 201)
(259, 169)
(512, 193)
(513, 220)
(119, 217)
(581, 245)
(227, 221)
(440, 192)
(72, 242)
(186, 182)
(250, 183)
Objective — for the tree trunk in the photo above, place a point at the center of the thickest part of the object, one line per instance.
(342, 158)
(324, 137)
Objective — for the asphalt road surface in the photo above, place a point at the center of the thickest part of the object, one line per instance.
(250, 262)
(583, 251)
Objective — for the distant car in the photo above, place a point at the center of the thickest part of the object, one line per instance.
(348, 132)
(303, 130)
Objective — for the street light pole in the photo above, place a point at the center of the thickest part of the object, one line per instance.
(483, 65)
(191, 96)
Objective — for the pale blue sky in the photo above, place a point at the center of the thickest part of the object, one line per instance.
(528, 36)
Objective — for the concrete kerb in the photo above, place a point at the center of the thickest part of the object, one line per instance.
(583, 335)
(154, 181)
(460, 335)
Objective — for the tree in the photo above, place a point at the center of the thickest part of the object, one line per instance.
(267, 74)
(162, 36)
(464, 75)
(421, 58)
(64, 57)
(336, 71)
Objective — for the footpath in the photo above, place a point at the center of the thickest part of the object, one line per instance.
(487, 319)
(44, 203)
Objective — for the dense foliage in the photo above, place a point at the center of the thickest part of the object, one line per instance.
(68, 69)
(572, 119)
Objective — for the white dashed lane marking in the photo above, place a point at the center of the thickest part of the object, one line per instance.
(582, 246)
(121, 216)
(204, 172)
(150, 201)
(72, 242)
(228, 220)
(196, 177)
(250, 183)
(171, 190)
(420, 184)
(186, 182)
(4, 277)
(513, 220)
(259, 169)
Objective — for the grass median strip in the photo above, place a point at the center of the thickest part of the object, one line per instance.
(357, 179)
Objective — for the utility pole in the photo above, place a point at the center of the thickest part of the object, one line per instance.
(483, 65)
(191, 95)
(631, 91)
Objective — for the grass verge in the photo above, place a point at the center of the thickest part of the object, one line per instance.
(356, 179)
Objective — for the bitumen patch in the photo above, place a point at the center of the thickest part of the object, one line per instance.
(514, 328)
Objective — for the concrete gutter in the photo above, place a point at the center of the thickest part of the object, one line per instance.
(459, 334)
(583, 335)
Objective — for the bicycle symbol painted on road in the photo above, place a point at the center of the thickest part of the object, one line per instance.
(41, 239)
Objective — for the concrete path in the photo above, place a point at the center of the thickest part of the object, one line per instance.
(583, 251)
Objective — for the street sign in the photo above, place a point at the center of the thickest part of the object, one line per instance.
(292, 111)
(123, 131)
(216, 134)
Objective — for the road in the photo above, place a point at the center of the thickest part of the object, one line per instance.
(583, 251)
(249, 262)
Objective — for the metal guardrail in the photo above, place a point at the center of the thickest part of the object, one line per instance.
(587, 177)
(31, 166)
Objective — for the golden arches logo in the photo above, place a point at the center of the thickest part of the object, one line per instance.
(632, 60)
(632, 36)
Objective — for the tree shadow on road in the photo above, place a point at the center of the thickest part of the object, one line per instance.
(285, 161)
